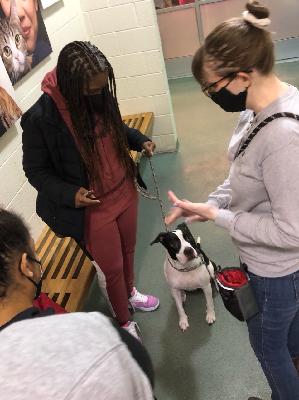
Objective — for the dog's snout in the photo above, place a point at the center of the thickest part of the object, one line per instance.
(189, 253)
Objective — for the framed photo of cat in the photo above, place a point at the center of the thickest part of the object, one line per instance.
(9, 111)
(24, 41)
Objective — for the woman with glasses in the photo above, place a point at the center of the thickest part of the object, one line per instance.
(258, 203)
(76, 355)
(20, 271)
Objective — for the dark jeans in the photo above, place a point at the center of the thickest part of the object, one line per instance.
(274, 332)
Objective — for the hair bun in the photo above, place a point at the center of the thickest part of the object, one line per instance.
(256, 14)
(258, 10)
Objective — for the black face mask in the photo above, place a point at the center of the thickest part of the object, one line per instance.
(228, 101)
(96, 101)
(38, 284)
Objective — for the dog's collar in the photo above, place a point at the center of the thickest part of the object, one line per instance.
(188, 269)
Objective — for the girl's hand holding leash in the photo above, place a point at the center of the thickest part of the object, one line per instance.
(148, 148)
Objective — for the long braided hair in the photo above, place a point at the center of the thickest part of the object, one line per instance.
(77, 63)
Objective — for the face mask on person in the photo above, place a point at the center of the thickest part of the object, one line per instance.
(228, 101)
(96, 101)
(38, 284)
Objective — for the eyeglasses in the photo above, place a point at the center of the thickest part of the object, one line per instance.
(206, 90)
(34, 260)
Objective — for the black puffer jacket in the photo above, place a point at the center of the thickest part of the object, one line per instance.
(55, 168)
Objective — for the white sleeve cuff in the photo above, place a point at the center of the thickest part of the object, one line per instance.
(213, 202)
(225, 219)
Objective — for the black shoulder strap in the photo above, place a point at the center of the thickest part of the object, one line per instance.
(29, 313)
(261, 125)
(138, 352)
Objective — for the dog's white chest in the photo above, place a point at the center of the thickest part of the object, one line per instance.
(197, 278)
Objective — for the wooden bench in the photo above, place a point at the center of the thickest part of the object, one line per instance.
(144, 123)
(68, 273)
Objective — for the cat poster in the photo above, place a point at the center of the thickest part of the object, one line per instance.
(24, 41)
(48, 3)
(9, 111)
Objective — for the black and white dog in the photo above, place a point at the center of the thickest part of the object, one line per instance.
(186, 268)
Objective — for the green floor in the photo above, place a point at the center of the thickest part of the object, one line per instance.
(204, 363)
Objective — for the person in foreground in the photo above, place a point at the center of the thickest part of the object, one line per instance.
(76, 155)
(258, 203)
(74, 356)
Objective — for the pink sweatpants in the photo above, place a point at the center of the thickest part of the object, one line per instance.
(112, 246)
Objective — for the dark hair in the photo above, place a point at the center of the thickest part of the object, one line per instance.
(14, 241)
(236, 45)
(77, 63)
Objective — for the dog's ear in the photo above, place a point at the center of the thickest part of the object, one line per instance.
(200, 251)
(187, 234)
(159, 238)
(198, 241)
(183, 227)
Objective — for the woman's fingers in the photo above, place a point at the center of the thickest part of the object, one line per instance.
(193, 211)
(176, 212)
(195, 218)
(173, 215)
(172, 197)
(188, 206)
(184, 204)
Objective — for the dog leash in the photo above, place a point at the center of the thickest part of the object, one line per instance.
(158, 194)
(157, 197)
(146, 194)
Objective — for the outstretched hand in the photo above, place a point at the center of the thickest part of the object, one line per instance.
(192, 211)
(175, 212)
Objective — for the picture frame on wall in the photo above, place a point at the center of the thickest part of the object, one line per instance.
(24, 41)
(9, 110)
(48, 3)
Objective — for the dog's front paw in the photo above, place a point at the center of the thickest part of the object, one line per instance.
(184, 324)
(211, 317)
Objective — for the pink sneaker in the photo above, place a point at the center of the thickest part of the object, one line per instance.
(143, 302)
(133, 328)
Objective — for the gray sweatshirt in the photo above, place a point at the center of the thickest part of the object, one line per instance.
(259, 202)
(68, 357)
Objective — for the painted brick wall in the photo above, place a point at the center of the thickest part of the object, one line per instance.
(64, 23)
(127, 32)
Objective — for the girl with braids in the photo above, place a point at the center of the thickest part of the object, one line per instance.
(76, 155)
(258, 203)
(113, 362)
